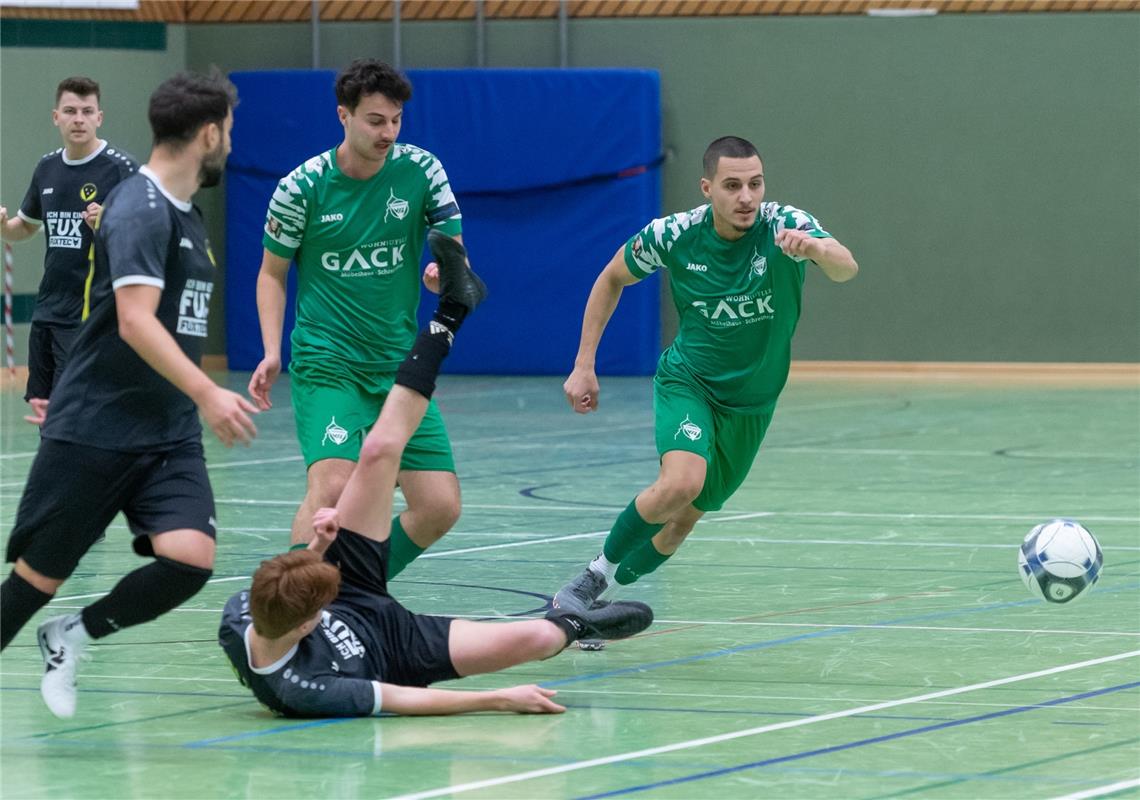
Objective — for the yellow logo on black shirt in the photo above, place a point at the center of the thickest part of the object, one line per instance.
(87, 192)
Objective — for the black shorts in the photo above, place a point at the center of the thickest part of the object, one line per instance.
(414, 647)
(74, 491)
(48, 346)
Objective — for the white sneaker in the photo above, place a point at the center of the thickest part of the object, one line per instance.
(61, 660)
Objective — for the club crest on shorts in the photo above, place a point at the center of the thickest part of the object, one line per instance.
(759, 263)
(691, 429)
(334, 433)
(396, 207)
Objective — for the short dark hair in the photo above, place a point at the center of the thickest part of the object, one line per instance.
(727, 147)
(79, 85)
(289, 590)
(181, 105)
(369, 76)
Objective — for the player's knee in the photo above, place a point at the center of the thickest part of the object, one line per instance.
(379, 448)
(682, 490)
(182, 579)
(445, 513)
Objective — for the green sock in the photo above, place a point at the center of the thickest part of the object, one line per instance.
(401, 550)
(628, 533)
(640, 562)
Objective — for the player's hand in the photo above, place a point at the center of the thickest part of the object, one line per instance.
(262, 381)
(431, 277)
(326, 523)
(39, 410)
(529, 699)
(798, 244)
(91, 213)
(228, 415)
(582, 390)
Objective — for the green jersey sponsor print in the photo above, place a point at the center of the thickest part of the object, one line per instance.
(738, 302)
(357, 245)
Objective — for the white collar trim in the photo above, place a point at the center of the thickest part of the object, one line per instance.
(85, 159)
(276, 665)
(181, 205)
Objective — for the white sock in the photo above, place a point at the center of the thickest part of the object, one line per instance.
(604, 567)
(75, 632)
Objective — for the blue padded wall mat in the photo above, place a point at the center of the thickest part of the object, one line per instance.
(553, 170)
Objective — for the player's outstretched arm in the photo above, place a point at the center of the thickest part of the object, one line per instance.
(227, 413)
(15, 229)
(582, 388)
(271, 316)
(832, 257)
(414, 701)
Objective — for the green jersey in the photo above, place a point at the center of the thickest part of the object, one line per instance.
(357, 244)
(738, 302)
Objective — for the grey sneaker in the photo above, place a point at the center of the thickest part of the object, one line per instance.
(582, 592)
(616, 620)
(57, 687)
(457, 281)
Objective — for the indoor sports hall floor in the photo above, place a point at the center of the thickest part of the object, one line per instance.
(851, 625)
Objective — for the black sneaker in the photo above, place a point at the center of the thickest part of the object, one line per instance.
(457, 281)
(616, 620)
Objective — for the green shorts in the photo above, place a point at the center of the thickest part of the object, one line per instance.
(685, 420)
(334, 415)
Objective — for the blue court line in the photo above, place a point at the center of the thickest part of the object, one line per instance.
(312, 723)
(246, 696)
(861, 742)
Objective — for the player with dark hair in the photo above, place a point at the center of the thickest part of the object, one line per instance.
(67, 188)
(123, 433)
(736, 270)
(354, 218)
(317, 637)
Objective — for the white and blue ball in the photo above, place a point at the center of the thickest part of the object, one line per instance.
(1059, 560)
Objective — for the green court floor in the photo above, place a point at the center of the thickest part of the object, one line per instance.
(851, 625)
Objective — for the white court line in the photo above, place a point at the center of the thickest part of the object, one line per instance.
(886, 451)
(253, 462)
(895, 515)
(881, 627)
(866, 543)
(724, 737)
(1101, 791)
(6, 456)
(101, 594)
(481, 548)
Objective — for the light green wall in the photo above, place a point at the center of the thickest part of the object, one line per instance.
(984, 169)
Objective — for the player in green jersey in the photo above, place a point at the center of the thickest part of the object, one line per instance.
(354, 219)
(736, 270)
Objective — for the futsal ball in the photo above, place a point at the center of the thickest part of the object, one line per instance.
(1059, 560)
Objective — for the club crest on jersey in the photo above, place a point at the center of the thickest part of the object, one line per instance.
(396, 207)
(690, 429)
(759, 263)
(335, 433)
(87, 192)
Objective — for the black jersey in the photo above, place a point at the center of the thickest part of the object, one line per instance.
(59, 192)
(108, 396)
(335, 671)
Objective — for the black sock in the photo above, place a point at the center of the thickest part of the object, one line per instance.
(450, 314)
(143, 595)
(570, 624)
(19, 601)
(421, 366)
